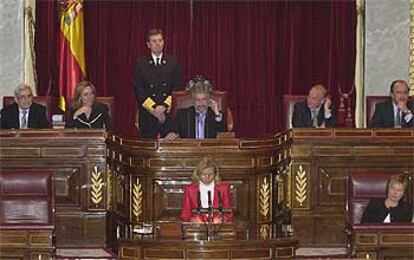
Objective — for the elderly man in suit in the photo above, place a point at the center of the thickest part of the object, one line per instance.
(24, 113)
(156, 76)
(201, 120)
(315, 111)
(397, 111)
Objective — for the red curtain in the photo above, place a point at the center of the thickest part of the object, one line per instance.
(256, 50)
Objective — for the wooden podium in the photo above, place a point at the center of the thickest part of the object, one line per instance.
(230, 241)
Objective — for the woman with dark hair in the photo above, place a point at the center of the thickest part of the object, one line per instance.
(392, 208)
(86, 112)
(206, 189)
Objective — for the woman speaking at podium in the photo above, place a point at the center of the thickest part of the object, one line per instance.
(206, 196)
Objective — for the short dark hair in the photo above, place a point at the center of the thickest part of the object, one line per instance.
(154, 32)
(397, 81)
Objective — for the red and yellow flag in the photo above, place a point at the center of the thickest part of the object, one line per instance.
(72, 67)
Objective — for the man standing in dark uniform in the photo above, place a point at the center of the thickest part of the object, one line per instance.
(156, 76)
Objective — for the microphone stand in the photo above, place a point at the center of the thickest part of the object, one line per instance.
(209, 211)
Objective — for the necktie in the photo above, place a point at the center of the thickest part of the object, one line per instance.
(314, 118)
(200, 126)
(157, 63)
(398, 118)
(23, 122)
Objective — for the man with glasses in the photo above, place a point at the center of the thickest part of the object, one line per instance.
(397, 111)
(24, 113)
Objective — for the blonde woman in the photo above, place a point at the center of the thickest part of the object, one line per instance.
(86, 113)
(206, 189)
(391, 208)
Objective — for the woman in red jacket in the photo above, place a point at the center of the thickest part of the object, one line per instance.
(206, 189)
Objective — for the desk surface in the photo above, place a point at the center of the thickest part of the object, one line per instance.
(219, 249)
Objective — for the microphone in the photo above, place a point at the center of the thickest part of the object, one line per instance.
(209, 199)
(199, 202)
(220, 202)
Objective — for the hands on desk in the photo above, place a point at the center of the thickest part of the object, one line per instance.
(216, 219)
(172, 136)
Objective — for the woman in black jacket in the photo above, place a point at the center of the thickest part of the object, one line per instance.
(86, 113)
(392, 208)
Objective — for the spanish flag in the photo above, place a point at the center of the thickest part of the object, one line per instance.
(72, 68)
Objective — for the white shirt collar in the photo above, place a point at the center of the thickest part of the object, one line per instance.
(21, 111)
(395, 108)
(204, 189)
(154, 57)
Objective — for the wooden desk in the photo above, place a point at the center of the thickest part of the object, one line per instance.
(148, 176)
(379, 242)
(319, 162)
(228, 249)
(77, 160)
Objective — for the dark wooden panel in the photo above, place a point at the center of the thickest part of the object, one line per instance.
(80, 230)
(216, 254)
(163, 253)
(327, 156)
(259, 253)
(67, 186)
(70, 154)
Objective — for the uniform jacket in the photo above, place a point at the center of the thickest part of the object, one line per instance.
(153, 86)
(190, 200)
(10, 117)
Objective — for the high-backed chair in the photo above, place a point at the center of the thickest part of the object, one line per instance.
(26, 214)
(110, 102)
(183, 99)
(371, 239)
(42, 100)
(289, 102)
(371, 102)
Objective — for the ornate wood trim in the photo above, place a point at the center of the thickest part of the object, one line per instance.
(411, 65)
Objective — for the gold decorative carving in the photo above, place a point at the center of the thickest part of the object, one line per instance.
(264, 198)
(301, 185)
(97, 186)
(264, 232)
(137, 200)
(411, 66)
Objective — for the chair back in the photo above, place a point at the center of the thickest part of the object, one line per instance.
(42, 100)
(183, 99)
(371, 102)
(289, 102)
(362, 186)
(110, 102)
(26, 199)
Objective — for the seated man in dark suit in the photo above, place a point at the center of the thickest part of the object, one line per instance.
(24, 113)
(397, 111)
(203, 119)
(315, 111)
